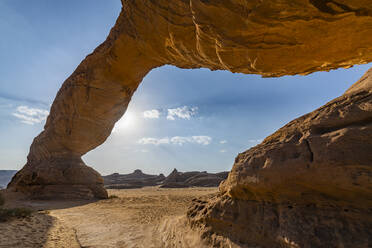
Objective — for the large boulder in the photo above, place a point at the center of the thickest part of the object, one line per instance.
(64, 178)
(307, 185)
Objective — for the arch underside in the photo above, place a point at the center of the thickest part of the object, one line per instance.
(318, 164)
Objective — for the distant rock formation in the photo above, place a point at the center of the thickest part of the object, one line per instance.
(175, 179)
(5, 177)
(178, 179)
(137, 179)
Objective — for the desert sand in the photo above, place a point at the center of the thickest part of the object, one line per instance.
(147, 217)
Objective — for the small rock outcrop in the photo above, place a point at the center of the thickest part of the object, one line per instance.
(178, 179)
(137, 179)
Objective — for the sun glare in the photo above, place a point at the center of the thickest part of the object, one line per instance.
(126, 123)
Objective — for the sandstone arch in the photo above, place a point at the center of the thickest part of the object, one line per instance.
(271, 38)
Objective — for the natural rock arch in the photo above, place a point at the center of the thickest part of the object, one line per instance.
(271, 38)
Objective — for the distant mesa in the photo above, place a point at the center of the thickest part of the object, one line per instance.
(175, 179)
(193, 179)
(137, 179)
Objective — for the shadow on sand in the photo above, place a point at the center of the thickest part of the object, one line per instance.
(40, 229)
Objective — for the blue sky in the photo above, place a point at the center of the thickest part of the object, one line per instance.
(184, 119)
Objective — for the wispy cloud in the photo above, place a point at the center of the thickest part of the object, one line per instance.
(202, 140)
(222, 151)
(142, 150)
(153, 141)
(184, 112)
(176, 140)
(255, 140)
(30, 116)
(223, 141)
(151, 114)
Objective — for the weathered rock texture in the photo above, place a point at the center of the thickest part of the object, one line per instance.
(309, 184)
(137, 179)
(318, 158)
(178, 179)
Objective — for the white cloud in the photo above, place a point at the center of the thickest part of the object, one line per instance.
(176, 140)
(153, 141)
(30, 116)
(151, 114)
(223, 141)
(255, 140)
(184, 112)
(203, 140)
(223, 151)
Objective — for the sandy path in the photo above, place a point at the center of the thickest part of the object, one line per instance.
(139, 218)
(149, 217)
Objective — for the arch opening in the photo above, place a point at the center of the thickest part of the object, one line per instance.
(236, 109)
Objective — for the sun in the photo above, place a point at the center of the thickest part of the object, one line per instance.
(127, 123)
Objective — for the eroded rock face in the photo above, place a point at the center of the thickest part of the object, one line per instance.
(321, 158)
(309, 184)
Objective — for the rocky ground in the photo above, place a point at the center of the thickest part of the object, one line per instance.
(147, 217)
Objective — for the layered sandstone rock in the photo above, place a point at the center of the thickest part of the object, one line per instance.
(321, 159)
(309, 184)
